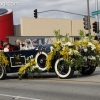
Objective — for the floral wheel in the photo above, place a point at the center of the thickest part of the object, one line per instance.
(62, 70)
(40, 60)
(2, 73)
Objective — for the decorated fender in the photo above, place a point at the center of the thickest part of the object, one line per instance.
(62, 70)
(40, 60)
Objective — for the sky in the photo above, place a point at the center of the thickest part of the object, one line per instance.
(25, 8)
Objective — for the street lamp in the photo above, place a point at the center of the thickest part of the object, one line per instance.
(88, 10)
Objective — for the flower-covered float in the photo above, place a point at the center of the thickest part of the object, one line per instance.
(63, 57)
(66, 57)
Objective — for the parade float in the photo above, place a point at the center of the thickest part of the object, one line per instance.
(62, 56)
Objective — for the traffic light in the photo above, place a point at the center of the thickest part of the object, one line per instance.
(2, 42)
(85, 19)
(35, 13)
(96, 27)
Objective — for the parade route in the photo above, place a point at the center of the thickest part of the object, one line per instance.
(50, 87)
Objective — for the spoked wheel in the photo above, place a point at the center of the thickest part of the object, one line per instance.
(62, 69)
(40, 60)
(89, 69)
(2, 73)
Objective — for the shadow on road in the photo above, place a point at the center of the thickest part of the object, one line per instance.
(36, 76)
(52, 76)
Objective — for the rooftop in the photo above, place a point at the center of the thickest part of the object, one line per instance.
(3, 11)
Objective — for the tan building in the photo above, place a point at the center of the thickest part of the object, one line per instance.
(46, 26)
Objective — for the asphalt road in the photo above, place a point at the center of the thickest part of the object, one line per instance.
(49, 87)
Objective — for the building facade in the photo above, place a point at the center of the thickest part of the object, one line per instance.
(44, 27)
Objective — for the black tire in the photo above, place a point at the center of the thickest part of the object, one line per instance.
(88, 70)
(40, 60)
(64, 71)
(2, 73)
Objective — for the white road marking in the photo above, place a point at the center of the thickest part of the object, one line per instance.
(18, 97)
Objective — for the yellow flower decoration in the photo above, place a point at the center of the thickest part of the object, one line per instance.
(48, 60)
(3, 60)
(95, 42)
(98, 47)
(78, 43)
(57, 45)
(22, 69)
(85, 41)
(62, 53)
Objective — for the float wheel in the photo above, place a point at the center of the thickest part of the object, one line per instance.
(40, 60)
(62, 69)
(89, 69)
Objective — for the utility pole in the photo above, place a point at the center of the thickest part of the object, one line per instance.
(96, 9)
(88, 11)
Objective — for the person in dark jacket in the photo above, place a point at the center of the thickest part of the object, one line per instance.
(18, 45)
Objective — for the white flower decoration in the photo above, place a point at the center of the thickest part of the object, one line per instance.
(76, 51)
(85, 58)
(33, 67)
(70, 52)
(85, 50)
(32, 56)
(90, 44)
(86, 37)
(93, 47)
(93, 58)
(69, 44)
(51, 48)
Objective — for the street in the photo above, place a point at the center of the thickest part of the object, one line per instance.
(49, 87)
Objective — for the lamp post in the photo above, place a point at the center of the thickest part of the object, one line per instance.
(96, 8)
(88, 11)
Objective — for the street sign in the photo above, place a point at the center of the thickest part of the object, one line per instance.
(95, 12)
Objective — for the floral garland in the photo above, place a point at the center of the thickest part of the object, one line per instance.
(29, 68)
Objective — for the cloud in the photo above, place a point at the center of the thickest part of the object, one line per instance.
(25, 8)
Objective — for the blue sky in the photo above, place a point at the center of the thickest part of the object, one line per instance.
(25, 8)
